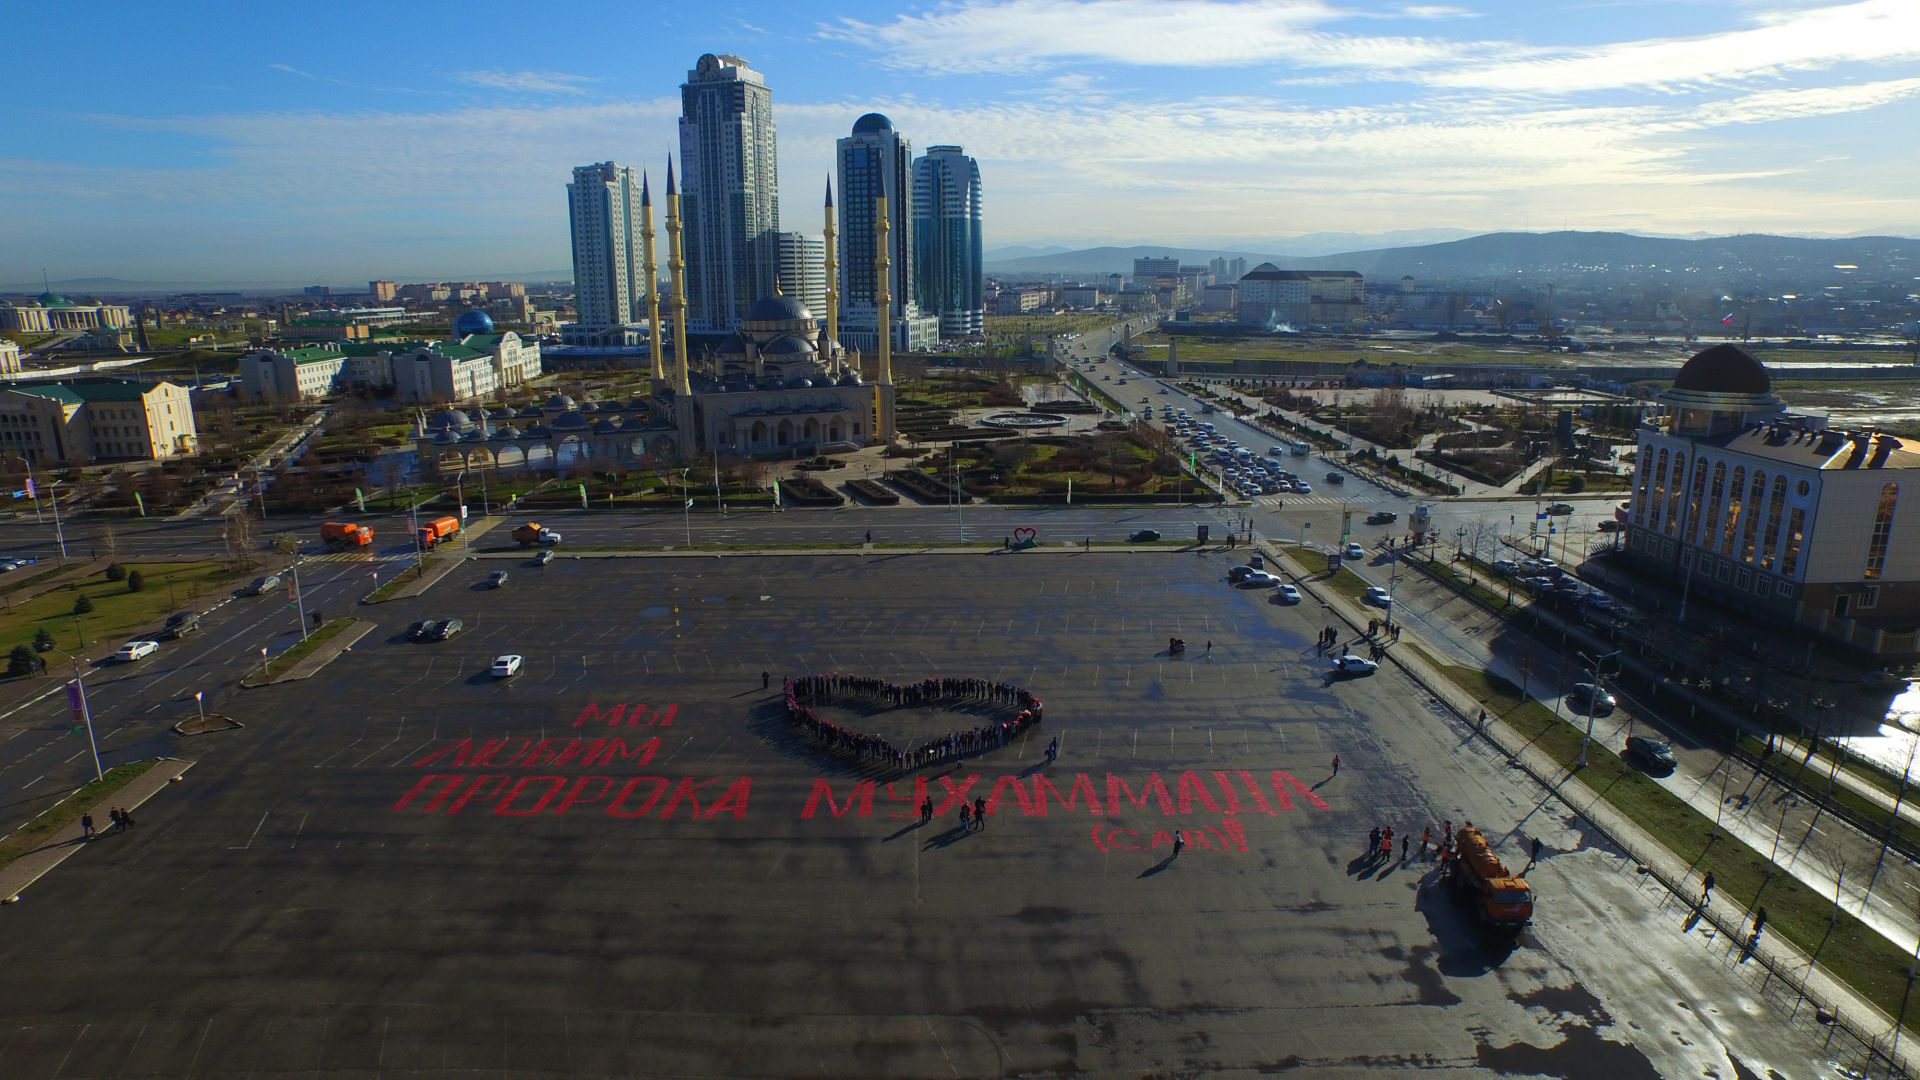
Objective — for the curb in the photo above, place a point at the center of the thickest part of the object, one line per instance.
(1645, 851)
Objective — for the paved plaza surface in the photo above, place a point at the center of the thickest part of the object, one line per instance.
(404, 867)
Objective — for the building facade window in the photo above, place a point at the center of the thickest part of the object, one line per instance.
(1869, 597)
(1696, 498)
(1658, 502)
(1733, 510)
(1796, 532)
(1882, 530)
(1676, 490)
(1756, 505)
(1640, 511)
(1776, 509)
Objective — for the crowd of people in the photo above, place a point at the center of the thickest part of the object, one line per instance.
(804, 691)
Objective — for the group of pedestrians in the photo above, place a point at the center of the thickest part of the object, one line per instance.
(820, 689)
(1380, 842)
(821, 686)
(122, 821)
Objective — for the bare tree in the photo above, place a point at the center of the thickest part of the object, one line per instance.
(239, 533)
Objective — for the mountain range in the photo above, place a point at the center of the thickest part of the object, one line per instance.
(1569, 256)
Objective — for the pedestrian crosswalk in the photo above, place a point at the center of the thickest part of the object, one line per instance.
(359, 557)
(1368, 499)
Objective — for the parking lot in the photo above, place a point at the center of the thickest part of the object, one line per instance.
(624, 859)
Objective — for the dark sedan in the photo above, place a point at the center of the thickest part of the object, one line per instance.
(1656, 755)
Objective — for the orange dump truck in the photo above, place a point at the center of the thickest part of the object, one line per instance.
(437, 530)
(1499, 896)
(346, 534)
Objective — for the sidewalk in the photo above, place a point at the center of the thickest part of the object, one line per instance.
(1866, 1020)
(16, 876)
(1813, 845)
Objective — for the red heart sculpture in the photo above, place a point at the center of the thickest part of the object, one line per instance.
(1025, 533)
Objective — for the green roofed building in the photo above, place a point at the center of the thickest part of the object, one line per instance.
(89, 420)
(475, 366)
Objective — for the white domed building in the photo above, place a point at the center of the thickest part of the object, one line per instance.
(1774, 513)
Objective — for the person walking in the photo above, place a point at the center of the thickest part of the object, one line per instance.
(1426, 837)
(86, 826)
(979, 813)
(1706, 889)
(1053, 750)
(1209, 648)
(1336, 764)
(1179, 841)
(766, 679)
(1534, 857)
(869, 536)
(926, 811)
(1373, 841)
(1404, 842)
(966, 817)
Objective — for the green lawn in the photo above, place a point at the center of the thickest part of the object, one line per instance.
(33, 834)
(118, 615)
(1848, 949)
(329, 630)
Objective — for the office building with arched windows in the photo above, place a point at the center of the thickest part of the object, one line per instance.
(1773, 512)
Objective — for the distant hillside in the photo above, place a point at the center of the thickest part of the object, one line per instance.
(1575, 255)
(1567, 256)
(1102, 261)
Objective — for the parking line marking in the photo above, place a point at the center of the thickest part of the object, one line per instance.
(297, 830)
(256, 832)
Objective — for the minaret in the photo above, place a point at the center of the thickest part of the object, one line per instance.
(883, 299)
(832, 232)
(653, 285)
(683, 384)
(883, 296)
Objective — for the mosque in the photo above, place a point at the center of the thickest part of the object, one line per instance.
(782, 386)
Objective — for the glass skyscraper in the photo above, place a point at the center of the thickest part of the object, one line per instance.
(729, 191)
(948, 251)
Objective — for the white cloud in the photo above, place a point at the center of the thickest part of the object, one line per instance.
(539, 82)
(1872, 31)
(291, 70)
(1766, 106)
(1012, 36)
(1026, 35)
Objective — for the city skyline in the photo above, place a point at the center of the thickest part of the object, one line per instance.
(271, 147)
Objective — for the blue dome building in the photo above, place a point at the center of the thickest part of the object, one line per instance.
(472, 322)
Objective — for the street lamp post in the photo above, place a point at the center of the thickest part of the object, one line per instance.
(77, 701)
(1593, 699)
(59, 533)
(299, 604)
(686, 505)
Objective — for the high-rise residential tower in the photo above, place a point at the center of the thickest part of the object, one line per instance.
(603, 207)
(729, 191)
(948, 254)
(803, 269)
(876, 163)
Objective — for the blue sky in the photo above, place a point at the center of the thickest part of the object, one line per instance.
(273, 142)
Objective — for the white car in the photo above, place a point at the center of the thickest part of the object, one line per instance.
(1343, 666)
(1287, 594)
(506, 666)
(1354, 551)
(137, 650)
(1379, 597)
(1303, 487)
(1259, 579)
